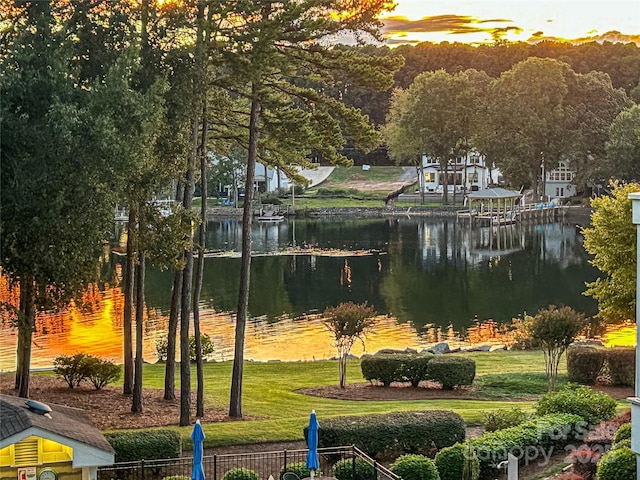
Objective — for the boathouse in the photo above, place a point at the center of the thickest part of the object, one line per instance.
(493, 206)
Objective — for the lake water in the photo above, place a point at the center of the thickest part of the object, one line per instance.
(419, 274)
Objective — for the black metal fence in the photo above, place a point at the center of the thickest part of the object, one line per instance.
(268, 465)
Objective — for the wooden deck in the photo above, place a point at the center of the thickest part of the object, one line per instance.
(533, 212)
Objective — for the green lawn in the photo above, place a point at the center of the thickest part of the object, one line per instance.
(273, 410)
(374, 174)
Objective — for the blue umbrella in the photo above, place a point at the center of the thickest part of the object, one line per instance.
(197, 436)
(313, 462)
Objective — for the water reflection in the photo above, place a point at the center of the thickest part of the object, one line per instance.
(423, 275)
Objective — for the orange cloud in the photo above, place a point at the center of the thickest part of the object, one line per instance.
(450, 24)
(611, 36)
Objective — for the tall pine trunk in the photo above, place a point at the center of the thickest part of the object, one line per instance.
(235, 402)
(200, 267)
(170, 366)
(136, 404)
(185, 309)
(129, 275)
(174, 312)
(26, 325)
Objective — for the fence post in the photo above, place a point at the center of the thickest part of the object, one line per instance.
(215, 467)
(142, 469)
(285, 460)
(375, 468)
(353, 462)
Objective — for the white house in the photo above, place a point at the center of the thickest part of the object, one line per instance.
(465, 173)
(558, 183)
(269, 179)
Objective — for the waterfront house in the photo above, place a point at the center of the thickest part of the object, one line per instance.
(558, 182)
(464, 174)
(49, 442)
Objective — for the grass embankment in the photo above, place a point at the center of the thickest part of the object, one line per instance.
(275, 412)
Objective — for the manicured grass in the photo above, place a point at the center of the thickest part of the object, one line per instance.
(355, 173)
(516, 385)
(274, 411)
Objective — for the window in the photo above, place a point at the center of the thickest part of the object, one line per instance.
(35, 451)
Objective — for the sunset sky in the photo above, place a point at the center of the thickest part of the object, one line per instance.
(515, 20)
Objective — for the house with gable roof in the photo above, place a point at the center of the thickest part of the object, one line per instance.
(49, 442)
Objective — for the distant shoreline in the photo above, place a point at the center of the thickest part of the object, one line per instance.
(578, 215)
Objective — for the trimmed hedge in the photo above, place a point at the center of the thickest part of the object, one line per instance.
(414, 467)
(618, 464)
(451, 371)
(592, 406)
(621, 363)
(145, 445)
(550, 430)
(404, 432)
(450, 462)
(395, 367)
(354, 469)
(584, 363)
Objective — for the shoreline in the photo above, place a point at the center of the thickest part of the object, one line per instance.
(578, 215)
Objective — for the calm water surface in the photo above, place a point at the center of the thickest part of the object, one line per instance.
(418, 273)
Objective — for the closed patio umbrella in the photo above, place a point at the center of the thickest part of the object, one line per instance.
(313, 462)
(197, 473)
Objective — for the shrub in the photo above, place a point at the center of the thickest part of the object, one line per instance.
(145, 445)
(623, 433)
(406, 432)
(584, 460)
(382, 368)
(72, 368)
(451, 371)
(396, 367)
(101, 372)
(354, 469)
(584, 363)
(621, 363)
(592, 406)
(414, 467)
(299, 469)
(617, 464)
(504, 418)
(451, 462)
(624, 443)
(414, 369)
(550, 430)
(241, 474)
(205, 342)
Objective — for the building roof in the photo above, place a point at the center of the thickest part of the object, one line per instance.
(489, 193)
(68, 422)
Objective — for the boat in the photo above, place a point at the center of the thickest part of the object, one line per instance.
(271, 218)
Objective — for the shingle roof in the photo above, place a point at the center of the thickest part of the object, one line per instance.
(72, 423)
